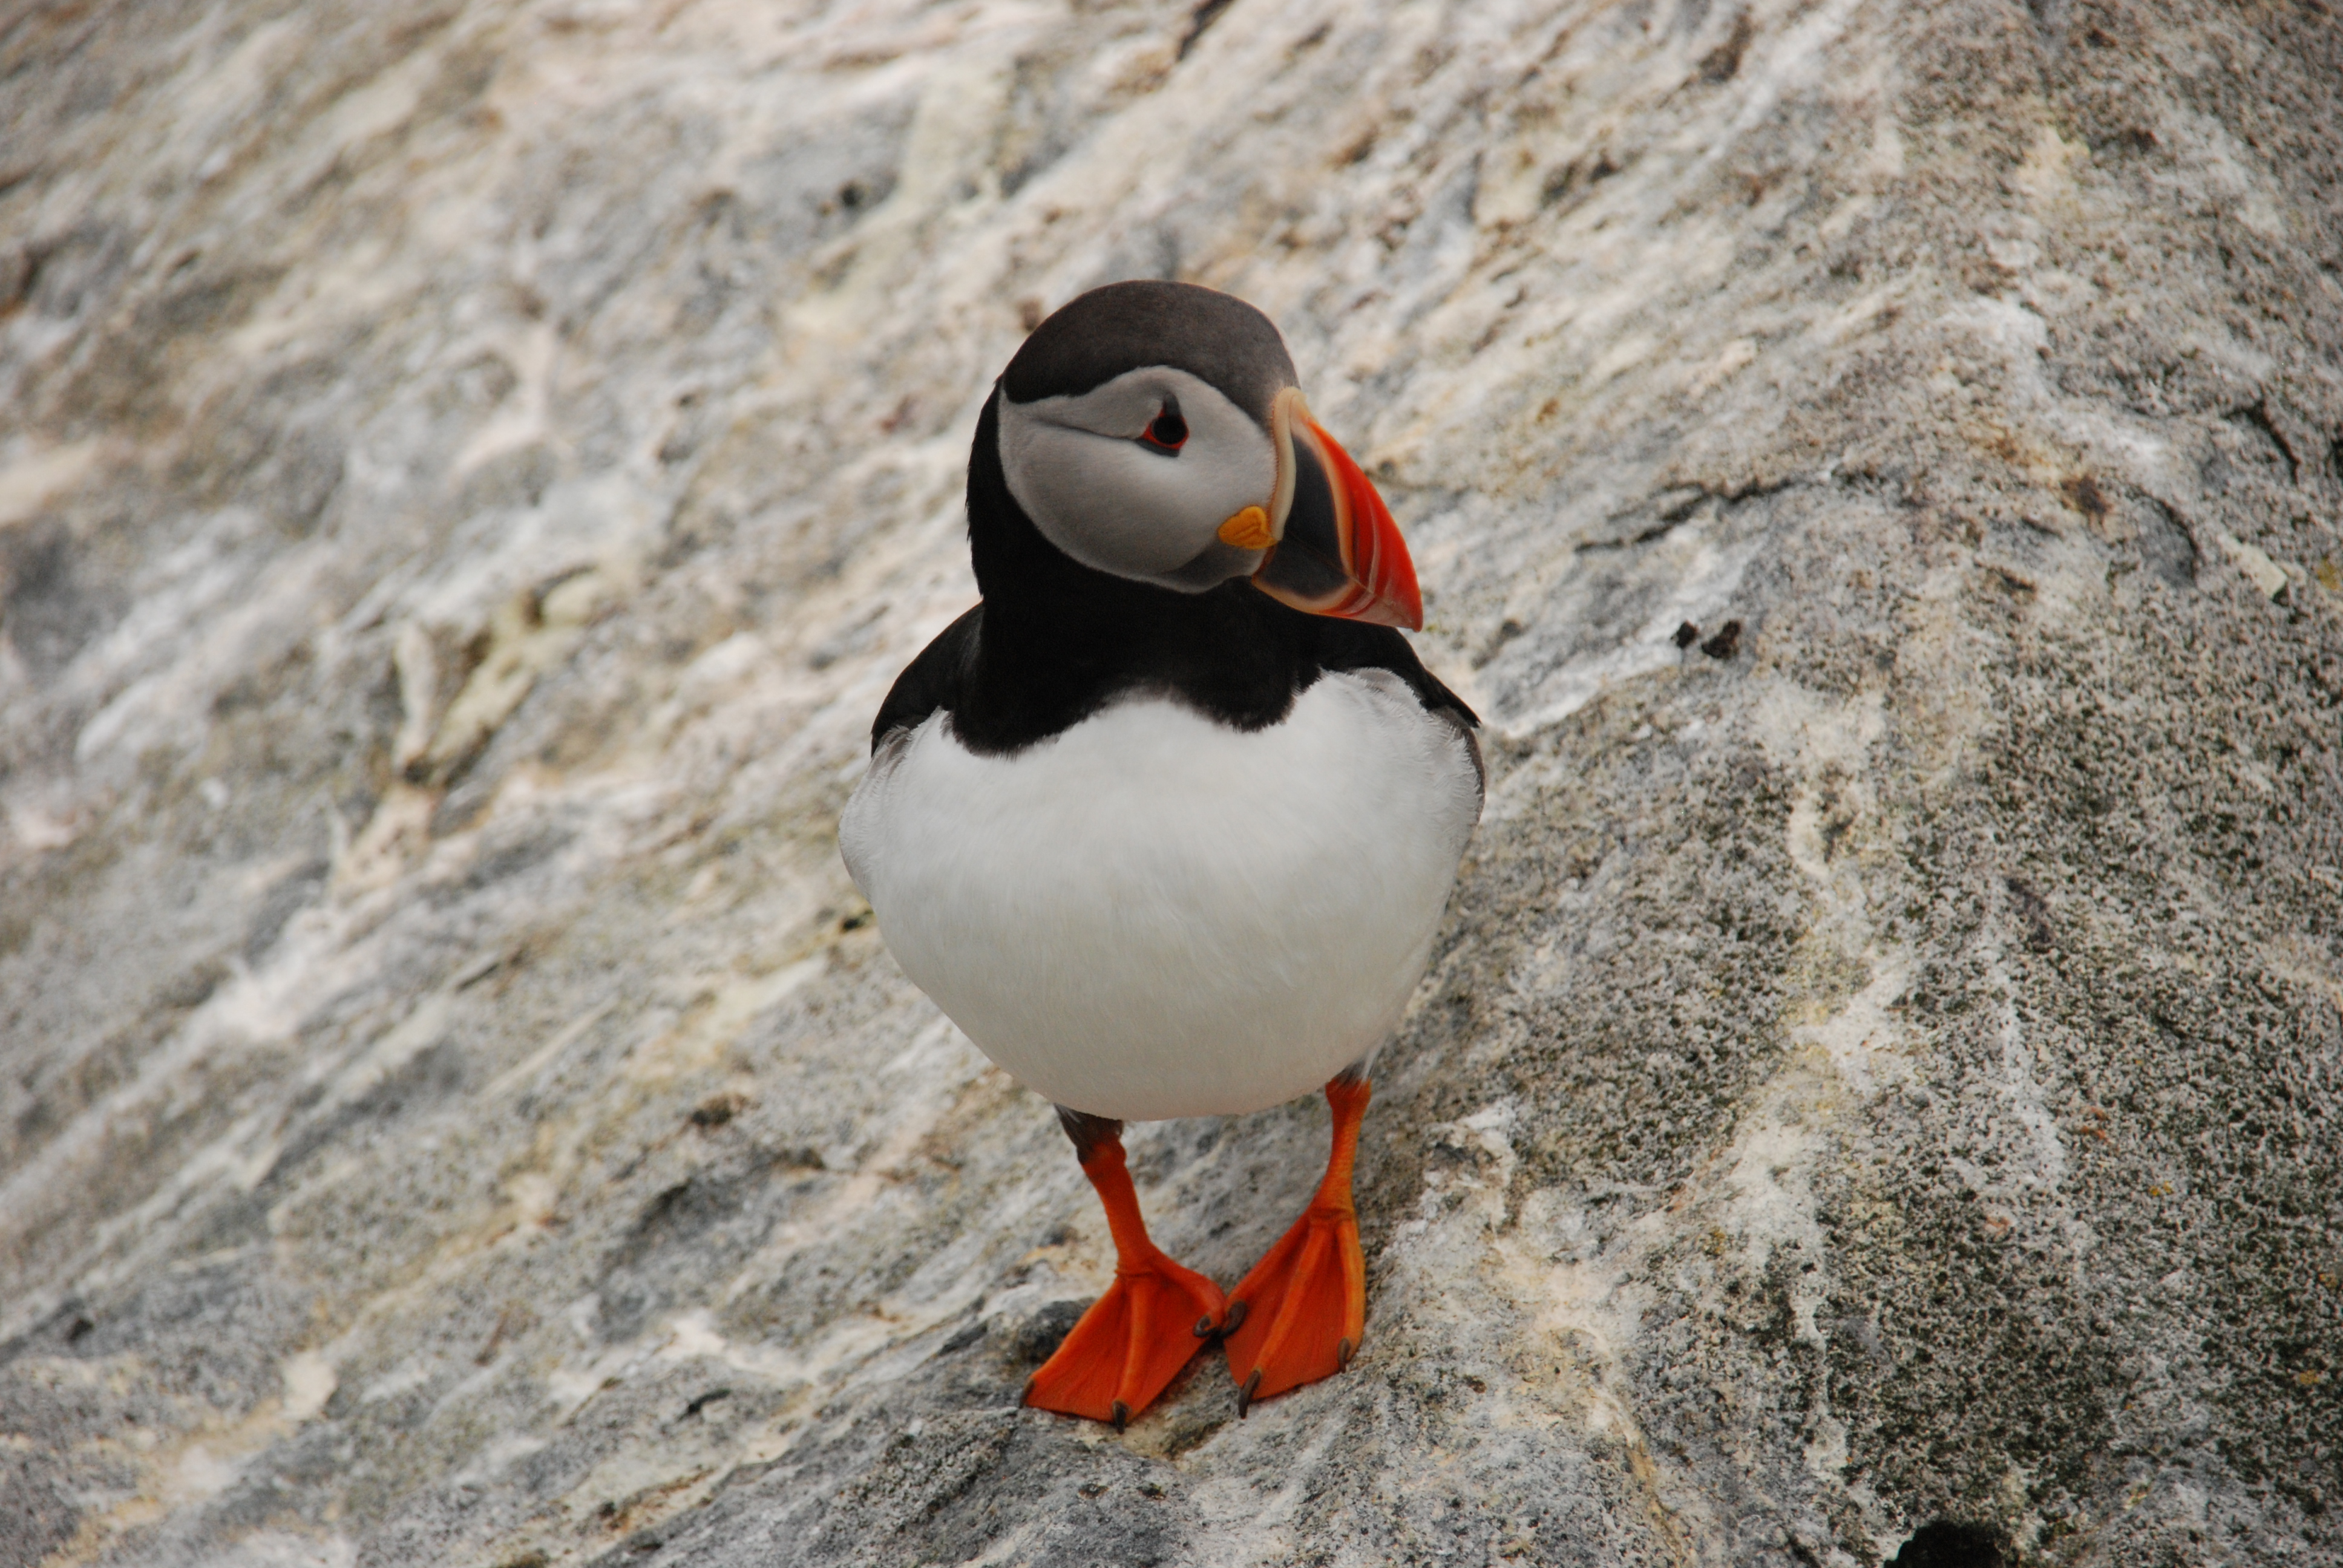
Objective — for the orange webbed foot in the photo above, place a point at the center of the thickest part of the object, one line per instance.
(1130, 1344)
(1299, 1315)
(1134, 1339)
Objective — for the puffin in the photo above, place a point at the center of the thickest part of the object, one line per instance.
(1166, 823)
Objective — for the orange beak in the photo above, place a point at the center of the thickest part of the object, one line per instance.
(1335, 549)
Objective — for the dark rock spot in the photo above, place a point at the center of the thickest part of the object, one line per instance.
(2010, 583)
(1943, 1544)
(2084, 493)
(1725, 643)
(1036, 1339)
(1687, 634)
(48, 608)
(1724, 61)
(1576, 174)
(716, 1110)
(1203, 16)
(1507, 630)
(704, 1401)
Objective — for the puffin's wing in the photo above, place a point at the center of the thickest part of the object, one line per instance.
(1349, 645)
(930, 681)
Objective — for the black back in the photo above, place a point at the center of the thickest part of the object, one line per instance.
(1054, 641)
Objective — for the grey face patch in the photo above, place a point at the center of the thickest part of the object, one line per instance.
(1077, 465)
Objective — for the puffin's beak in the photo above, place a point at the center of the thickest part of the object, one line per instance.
(1333, 547)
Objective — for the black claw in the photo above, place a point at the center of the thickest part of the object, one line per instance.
(1121, 1415)
(1204, 1329)
(1244, 1394)
(1345, 1349)
(1236, 1316)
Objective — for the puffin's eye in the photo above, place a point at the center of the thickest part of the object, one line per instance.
(1167, 431)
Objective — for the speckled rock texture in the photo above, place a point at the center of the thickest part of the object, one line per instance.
(470, 471)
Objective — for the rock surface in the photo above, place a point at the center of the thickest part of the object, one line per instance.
(470, 471)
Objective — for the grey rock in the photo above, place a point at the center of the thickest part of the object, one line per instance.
(468, 473)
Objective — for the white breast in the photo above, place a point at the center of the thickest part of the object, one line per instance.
(1154, 915)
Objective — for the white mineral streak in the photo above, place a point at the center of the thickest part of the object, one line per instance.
(469, 473)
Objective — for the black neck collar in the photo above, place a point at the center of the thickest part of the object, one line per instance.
(1060, 640)
(1054, 641)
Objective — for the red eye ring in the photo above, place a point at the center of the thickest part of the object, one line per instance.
(1167, 432)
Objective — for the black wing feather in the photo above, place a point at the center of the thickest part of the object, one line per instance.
(1356, 645)
(930, 681)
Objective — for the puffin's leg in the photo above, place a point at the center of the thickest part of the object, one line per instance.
(1151, 1320)
(1298, 1316)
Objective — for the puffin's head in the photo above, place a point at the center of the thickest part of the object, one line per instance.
(1153, 431)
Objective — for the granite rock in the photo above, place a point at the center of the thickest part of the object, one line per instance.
(470, 471)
